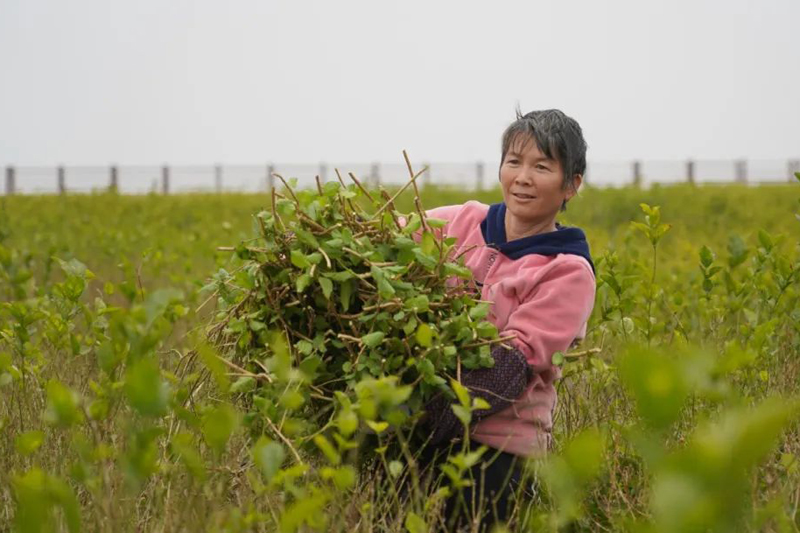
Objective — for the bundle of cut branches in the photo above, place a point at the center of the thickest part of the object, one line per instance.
(345, 305)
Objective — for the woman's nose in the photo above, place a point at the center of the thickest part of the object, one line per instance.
(524, 176)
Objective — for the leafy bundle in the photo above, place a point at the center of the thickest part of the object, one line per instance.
(345, 305)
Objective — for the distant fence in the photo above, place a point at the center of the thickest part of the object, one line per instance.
(477, 175)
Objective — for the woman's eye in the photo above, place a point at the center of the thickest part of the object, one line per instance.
(541, 167)
(512, 161)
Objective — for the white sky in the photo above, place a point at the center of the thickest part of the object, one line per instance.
(247, 81)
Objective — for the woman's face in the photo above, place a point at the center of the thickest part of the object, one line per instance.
(532, 184)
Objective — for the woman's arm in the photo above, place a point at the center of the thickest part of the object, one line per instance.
(554, 314)
(551, 318)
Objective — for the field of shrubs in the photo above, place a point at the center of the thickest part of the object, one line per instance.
(136, 394)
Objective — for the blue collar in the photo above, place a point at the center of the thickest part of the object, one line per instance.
(565, 240)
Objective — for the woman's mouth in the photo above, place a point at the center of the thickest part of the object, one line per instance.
(521, 196)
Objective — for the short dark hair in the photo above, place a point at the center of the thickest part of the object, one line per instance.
(556, 135)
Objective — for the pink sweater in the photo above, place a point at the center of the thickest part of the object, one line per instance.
(545, 300)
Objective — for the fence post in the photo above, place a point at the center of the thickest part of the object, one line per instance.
(375, 174)
(479, 169)
(794, 166)
(10, 186)
(113, 180)
(165, 180)
(323, 172)
(218, 178)
(62, 180)
(741, 170)
(690, 172)
(637, 174)
(270, 177)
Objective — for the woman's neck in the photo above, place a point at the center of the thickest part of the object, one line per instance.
(518, 229)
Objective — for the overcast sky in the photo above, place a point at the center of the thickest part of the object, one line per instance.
(247, 81)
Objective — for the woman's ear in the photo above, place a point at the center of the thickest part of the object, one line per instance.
(576, 184)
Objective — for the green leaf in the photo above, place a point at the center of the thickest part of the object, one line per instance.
(415, 524)
(657, 383)
(147, 393)
(218, 425)
(558, 358)
(419, 303)
(706, 256)
(331, 188)
(307, 237)
(159, 301)
(302, 282)
(765, 240)
(62, 405)
(309, 366)
(584, 454)
(300, 260)
(268, 457)
(424, 259)
(479, 312)
(327, 287)
(424, 335)
(107, 357)
(345, 294)
(377, 427)
(385, 289)
(37, 494)
(28, 442)
(646, 208)
(486, 329)
(395, 468)
(371, 340)
(285, 207)
(479, 403)
(461, 392)
(73, 267)
(344, 477)
(5, 361)
(340, 276)
(243, 384)
(414, 224)
(328, 450)
(257, 325)
(462, 413)
(347, 421)
(292, 400)
(453, 269)
(644, 228)
(428, 243)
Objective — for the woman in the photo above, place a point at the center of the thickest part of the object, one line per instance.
(540, 277)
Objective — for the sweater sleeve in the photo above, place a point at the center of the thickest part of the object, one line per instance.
(445, 212)
(554, 314)
(498, 385)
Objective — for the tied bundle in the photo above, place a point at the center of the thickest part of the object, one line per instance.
(347, 314)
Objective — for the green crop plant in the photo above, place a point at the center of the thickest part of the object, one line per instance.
(678, 412)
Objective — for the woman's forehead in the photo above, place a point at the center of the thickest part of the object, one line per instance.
(525, 144)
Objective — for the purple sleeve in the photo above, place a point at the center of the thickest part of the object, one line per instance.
(499, 385)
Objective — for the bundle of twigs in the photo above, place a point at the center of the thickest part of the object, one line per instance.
(339, 287)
